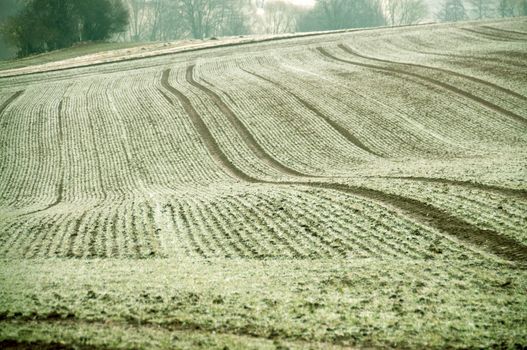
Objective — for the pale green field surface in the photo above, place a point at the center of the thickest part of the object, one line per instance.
(354, 189)
(240, 303)
(63, 54)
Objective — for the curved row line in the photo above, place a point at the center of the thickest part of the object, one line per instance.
(504, 30)
(341, 130)
(60, 185)
(241, 128)
(417, 45)
(447, 71)
(512, 192)
(422, 212)
(353, 102)
(10, 100)
(441, 84)
(493, 36)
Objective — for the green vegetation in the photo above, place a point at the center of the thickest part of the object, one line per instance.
(45, 25)
(64, 54)
(239, 303)
(353, 189)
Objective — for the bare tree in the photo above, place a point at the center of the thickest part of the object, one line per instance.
(278, 17)
(505, 8)
(481, 8)
(340, 14)
(137, 9)
(234, 18)
(201, 16)
(452, 11)
(402, 12)
(510, 8)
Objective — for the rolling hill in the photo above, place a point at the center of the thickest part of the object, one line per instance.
(358, 188)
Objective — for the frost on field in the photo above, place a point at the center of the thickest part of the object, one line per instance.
(358, 188)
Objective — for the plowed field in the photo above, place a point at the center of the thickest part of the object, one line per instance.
(364, 188)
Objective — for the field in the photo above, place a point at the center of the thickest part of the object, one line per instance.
(353, 189)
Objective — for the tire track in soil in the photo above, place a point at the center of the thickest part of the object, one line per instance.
(501, 30)
(422, 212)
(10, 100)
(242, 130)
(492, 59)
(511, 192)
(207, 138)
(435, 82)
(493, 36)
(336, 126)
(443, 70)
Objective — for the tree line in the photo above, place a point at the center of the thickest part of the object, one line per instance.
(459, 10)
(43, 25)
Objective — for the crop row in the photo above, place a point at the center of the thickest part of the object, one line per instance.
(107, 165)
(272, 222)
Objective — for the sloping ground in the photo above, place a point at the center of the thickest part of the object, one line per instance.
(349, 189)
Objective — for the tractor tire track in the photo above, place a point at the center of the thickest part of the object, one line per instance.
(422, 212)
(435, 82)
(424, 47)
(202, 129)
(439, 219)
(492, 36)
(336, 126)
(501, 30)
(242, 130)
(509, 192)
(10, 100)
(443, 70)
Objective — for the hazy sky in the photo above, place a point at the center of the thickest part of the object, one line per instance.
(303, 2)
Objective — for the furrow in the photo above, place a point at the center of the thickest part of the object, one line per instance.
(441, 84)
(198, 245)
(43, 236)
(340, 129)
(182, 228)
(264, 224)
(493, 36)
(501, 30)
(511, 192)
(97, 153)
(10, 100)
(443, 70)
(240, 230)
(293, 245)
(492, 241)
(422, 212)
(210, 143)
(224, 219)
(60, 185)
(388, 127)
(210, 231)
(242, 129)
(309, 245)
(75, 232)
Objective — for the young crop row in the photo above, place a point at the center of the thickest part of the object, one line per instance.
(129, 163)
(388, 129)
(468, 116)
(486, 207)
(283, 124)
(493, 96)
(452, 48)
(395, 116)
(266, 222)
